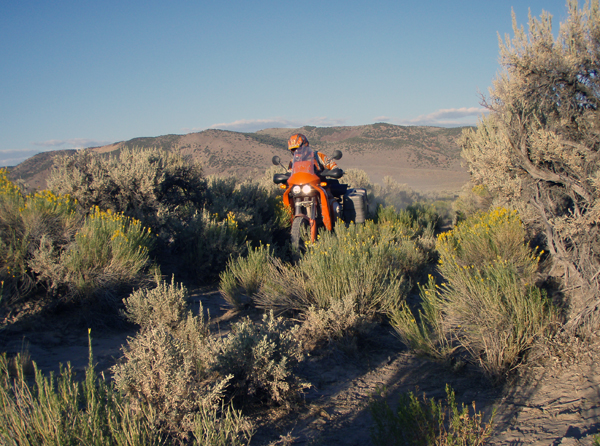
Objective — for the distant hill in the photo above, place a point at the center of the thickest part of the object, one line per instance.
(425, 158)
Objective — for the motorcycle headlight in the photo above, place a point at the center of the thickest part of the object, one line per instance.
(296, 190)
(306, 189)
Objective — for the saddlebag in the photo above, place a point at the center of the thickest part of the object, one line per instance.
(355, 206)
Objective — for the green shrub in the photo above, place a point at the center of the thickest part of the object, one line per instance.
(109, 253)
(392, 193)
(261, 356)
(369, 262)
(471, 200)
(207, 243)
(174, 365)
(390, 216)
(64, 411)
(166, 305)
(163, 305)
(229, 428)
(424, 332)
(157, 187)
(357, 178)
(256, 205)
(339, 325)
(423, 422)
(425, 214)
(345, 279)
(158, 371)
(244, 275)
(27, 224)
(168, 366)
(488, 305)
(495, 316)
(372, 263)
(417, 220)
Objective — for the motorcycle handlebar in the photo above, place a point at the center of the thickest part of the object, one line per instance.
(333, 173)
(282, 178)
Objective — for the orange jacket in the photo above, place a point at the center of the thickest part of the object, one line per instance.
(325, 162)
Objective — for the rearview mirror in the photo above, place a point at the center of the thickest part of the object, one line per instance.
(276, 160)
(337, 155)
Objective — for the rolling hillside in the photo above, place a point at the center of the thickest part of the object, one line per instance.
(425, 158)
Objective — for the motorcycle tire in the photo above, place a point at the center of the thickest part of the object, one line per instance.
(300, 233)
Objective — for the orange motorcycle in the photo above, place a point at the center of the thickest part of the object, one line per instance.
(314, 196)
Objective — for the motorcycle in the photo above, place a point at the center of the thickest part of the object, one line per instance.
(308, 195)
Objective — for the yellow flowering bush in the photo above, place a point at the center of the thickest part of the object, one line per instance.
(26, 223)
(47, 201)
(109, 250)
(486, 237)
(487, 305)
(7, 187)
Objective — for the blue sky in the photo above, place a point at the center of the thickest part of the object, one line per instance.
(84, 73)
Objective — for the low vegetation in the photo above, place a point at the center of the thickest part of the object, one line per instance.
(426, 422)
(64, 410)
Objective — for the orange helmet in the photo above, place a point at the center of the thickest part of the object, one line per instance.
(297, 140)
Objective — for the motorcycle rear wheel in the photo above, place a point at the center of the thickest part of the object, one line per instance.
(300, 233)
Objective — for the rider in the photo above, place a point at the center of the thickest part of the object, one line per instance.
(299, 140)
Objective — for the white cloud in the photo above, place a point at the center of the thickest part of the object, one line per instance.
(325, 122)
(76, 143)
(448, 117)
(382, 119)
(12, 157)
(253, 125)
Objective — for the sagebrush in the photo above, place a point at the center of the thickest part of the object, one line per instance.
(537, 148)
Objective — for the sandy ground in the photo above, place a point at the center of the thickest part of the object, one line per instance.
(554, 403)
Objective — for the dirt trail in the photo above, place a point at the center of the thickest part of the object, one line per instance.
(558, 404)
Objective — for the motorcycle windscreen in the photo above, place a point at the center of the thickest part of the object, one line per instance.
(303, 161)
